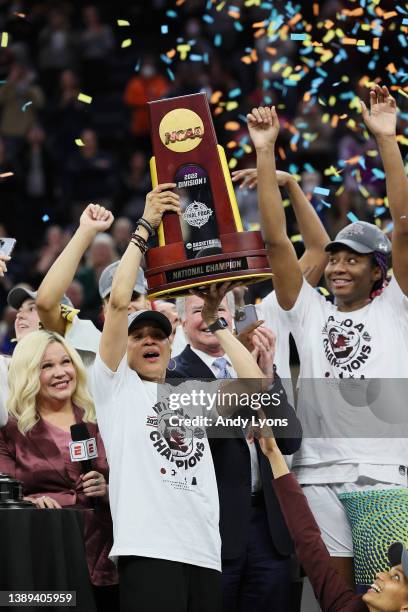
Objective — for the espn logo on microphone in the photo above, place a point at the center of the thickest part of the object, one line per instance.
(83, 450)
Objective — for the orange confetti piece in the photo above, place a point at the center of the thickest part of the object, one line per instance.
(328, 24)
(6, 174)
(218, 110)
(215, 97)
(315, 9)
(353, 12)
(246, 59)
(353, 160)
(231, 144)
(376, 43)
(259, 24)
(259, 33)
(334, 121)
(391, 68)
(282, 154)
(349, 41)
(22, 15)
(295, 19)
(271, 50)
(306, 96)
(390, 14)
(180, 2)
(234, 14)
(231, 126)
(170, 54)
(254, 55)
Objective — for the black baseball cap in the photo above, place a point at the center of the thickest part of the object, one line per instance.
(398, 554)
(149, 316)
(363, 238)
(18, 295)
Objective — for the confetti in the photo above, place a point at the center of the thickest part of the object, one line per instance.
(122, 22)
(352, 217)
(295, 36)
(164, 29)
(26, 105)
(79, 143)
(126, 43)
(84, 98)
(321, 191)
(4, 39)
(45, 218)
(6, 175)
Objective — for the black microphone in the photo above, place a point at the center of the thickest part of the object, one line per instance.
(83, 449)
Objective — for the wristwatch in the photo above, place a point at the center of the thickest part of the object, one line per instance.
(220, 323)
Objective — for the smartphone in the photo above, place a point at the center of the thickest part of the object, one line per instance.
(244, 317)
(7, 245)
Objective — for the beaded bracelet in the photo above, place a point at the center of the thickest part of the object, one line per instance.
(149, 228)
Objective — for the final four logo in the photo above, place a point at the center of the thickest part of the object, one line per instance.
(197, 214)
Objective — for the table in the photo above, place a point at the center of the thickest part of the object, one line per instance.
(43, 550)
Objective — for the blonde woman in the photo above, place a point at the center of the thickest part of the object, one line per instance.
(48, 394)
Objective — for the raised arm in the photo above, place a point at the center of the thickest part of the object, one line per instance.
(263, 125)
(115, 331)
(382, 122)
(315, 237)
(94, 219)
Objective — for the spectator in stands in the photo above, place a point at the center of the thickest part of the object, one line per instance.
(141, 89)
(20, 100)
(101, 254)
(121, 233)
(136, 181)
(54, 243)
(96, 44)
(48, 394)
(57, 49)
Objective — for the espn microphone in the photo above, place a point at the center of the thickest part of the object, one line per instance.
(83, 449)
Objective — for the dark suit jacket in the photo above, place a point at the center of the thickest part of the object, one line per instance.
(233, 471)
(37, 462)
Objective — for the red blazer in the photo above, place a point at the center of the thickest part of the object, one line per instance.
(36, 460)
(330, 590)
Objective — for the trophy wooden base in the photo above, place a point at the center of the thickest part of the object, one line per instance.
(234, 263)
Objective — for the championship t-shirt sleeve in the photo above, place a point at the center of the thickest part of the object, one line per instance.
(297, 316)
(393, 297)
(104, 385)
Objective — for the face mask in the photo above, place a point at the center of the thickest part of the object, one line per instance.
(147, 71)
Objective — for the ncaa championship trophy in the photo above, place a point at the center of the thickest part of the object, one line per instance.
(207, 244)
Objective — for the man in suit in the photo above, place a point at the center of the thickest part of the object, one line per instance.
(256, 545)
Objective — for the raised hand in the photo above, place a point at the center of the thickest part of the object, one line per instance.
(160, 200)
(263, 126)
(3, 260)
(212, 296)
(96, 218)
(249, 177)
(382, 118)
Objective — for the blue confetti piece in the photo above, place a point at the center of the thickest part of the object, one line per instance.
(137, 67)
(290, 83)
(295, 36)
(402, 38)
(379, 210)
(352, 217)
(378, 173)
(234, 93)
(208, 6)
(238, 26)
(293, 168)
(308, 167)
(170, 73)
(321, 191)
(267, 100)
(208, 19)
(171, 14)
(405, 21)
(3, 81)
(266, 66)
(165, 59)
(164, 29)
(243, 118)
(45, 218)
(389, 228)
(26, 105)
(327, 204)
(196, 58)
(217, 40)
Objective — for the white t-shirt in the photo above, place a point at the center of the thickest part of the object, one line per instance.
(163, 490)
(83, 336)
(349, 415)
(4, 365)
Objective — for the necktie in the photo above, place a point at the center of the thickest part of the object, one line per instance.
(221, 364)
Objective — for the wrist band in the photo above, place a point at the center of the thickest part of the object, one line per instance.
(149, 228)
(140, 242)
